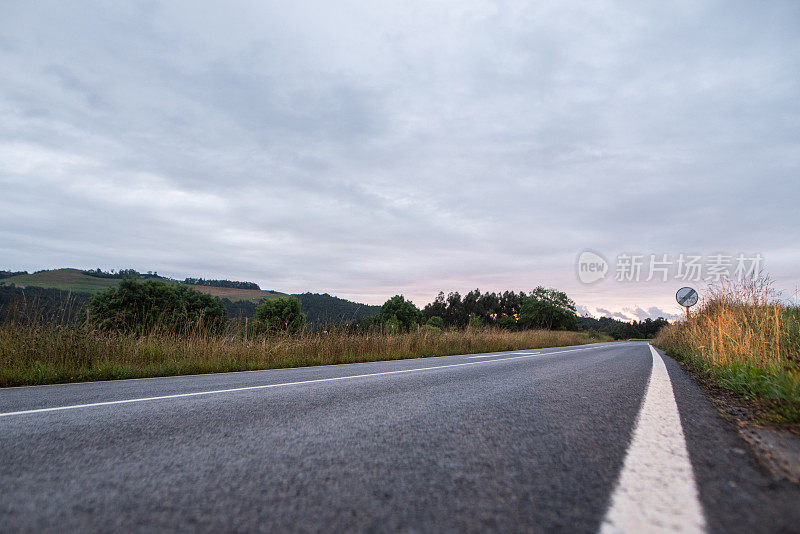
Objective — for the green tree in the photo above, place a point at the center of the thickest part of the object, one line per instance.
(437, 308)
(435, 321)
(548, 308)
(406, 313)
(280, 316)
(141, 307)
(475, 321)
(456, 315)
(393, 325)
(506, 322)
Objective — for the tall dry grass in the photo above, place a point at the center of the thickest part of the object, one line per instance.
(745, 339)
(31, 354)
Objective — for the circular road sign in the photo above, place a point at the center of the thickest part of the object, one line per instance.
(686, 297)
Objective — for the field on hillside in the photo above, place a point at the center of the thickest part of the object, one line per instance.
(65, 279)
(76, 281)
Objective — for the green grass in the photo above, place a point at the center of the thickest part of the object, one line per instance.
(52, 354)
(775, 390)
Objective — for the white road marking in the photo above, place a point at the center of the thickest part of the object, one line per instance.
(251, 388)
(500, 354)
(530, 353)
(656, 491)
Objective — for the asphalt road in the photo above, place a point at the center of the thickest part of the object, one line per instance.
(520, 441)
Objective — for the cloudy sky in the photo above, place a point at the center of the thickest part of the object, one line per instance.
(373, 148)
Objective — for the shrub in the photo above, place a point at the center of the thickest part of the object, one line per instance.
(436, 322)
(507, 322)
(401, 310)
(430, 330)
(142, 307)
(280, 316)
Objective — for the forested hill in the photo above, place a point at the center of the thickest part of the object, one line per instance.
(325, 308)
(239, 298)
(622, 329)
(319, 308)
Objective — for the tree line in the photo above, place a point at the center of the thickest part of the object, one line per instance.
(545, 308)
(221, 283)
(541, 308)
(140, 306)
(623, 330)
(120, 274)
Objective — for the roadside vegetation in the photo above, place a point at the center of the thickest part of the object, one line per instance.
(143, 307)
(46, 355)
(152, 328)
(742, 339)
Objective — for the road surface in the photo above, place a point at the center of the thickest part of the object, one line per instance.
(575, 439)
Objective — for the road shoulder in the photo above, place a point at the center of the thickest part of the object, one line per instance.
(737, 492)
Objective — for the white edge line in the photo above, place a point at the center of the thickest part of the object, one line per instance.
(656, 490)
(267, 386)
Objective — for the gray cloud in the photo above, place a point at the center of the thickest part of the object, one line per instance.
(398, 147)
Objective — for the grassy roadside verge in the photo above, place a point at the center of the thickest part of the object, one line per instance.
(745, 343)
(52, 354)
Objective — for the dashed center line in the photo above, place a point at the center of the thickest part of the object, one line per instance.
(269, 386)
(530, 353)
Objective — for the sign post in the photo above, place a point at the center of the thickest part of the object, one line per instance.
(686, 297)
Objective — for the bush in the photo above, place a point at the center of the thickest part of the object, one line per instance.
(280, 316)
(142, 307)
(506, 322)
(401, 310)
(436, 322)
(430, 330)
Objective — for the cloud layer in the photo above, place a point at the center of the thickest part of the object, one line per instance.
(366, 150)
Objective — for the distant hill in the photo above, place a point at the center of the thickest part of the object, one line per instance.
(319, 308)
(324, 308)
(40, 305)
(78, 281)
(64, 279)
